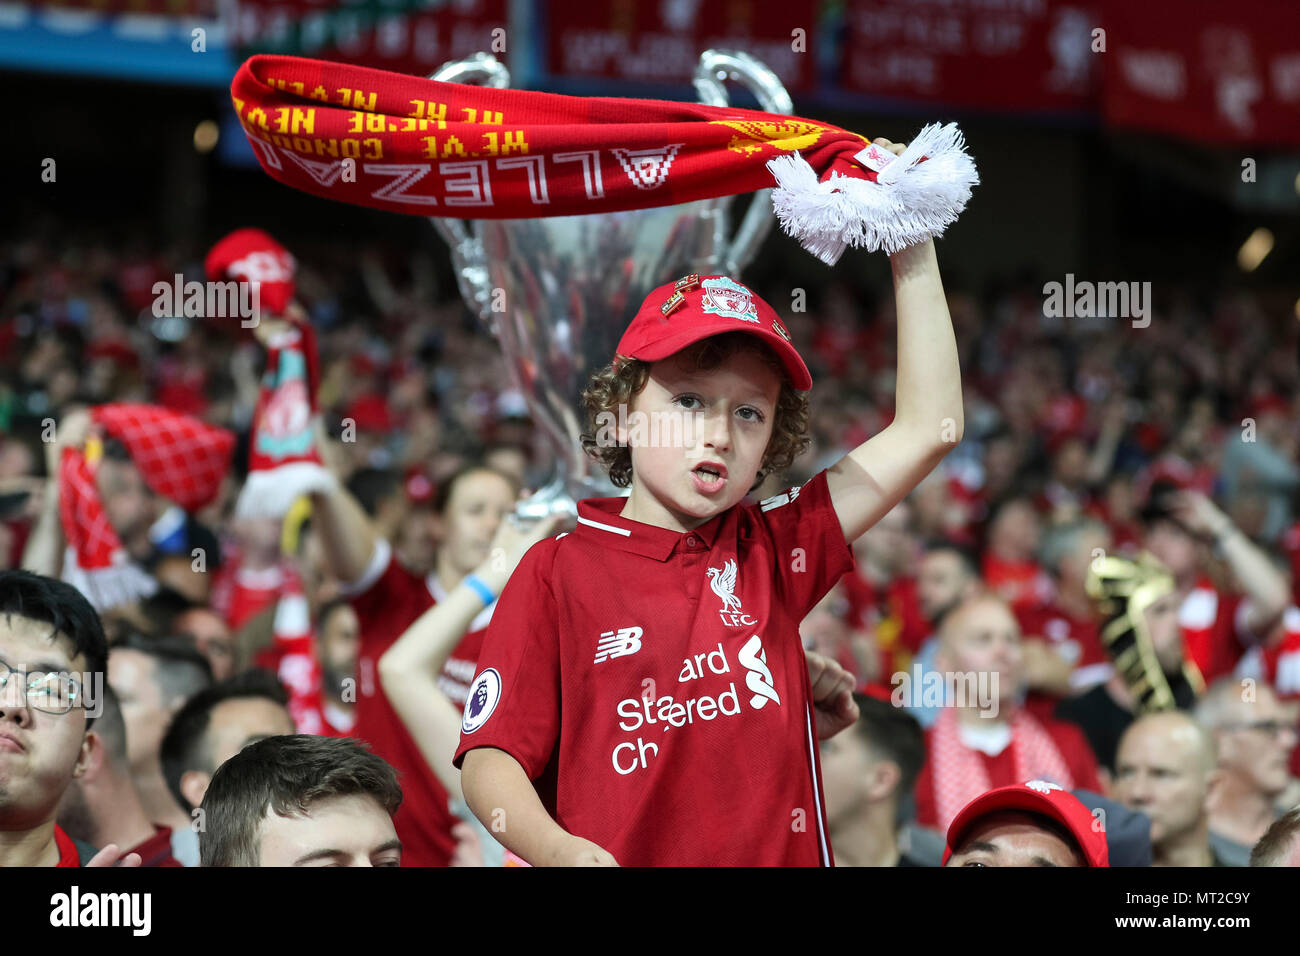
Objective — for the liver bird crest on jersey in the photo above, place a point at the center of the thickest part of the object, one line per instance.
(723, 582)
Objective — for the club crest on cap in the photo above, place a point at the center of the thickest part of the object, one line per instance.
(722, 296)
(1043, 786)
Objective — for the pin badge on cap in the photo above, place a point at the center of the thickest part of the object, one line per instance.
(779, 329)
(687, 283)
(672, 303)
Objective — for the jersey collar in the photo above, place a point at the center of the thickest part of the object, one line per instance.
(68, 855)
(599, 521)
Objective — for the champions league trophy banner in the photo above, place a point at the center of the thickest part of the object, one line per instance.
(558, 292)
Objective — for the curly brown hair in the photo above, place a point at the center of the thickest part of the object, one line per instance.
(615, 385)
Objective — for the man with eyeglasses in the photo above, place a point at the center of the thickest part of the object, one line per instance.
(52, 652)
(1255, 736)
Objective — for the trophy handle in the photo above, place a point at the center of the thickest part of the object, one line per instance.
(482, 69)
(714, 67)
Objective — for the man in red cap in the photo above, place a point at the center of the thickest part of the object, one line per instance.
(642, 695)
(1032, 824)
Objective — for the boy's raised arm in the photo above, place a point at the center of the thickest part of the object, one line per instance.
(928, 418)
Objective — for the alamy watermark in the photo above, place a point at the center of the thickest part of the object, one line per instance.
(1098, 300)
(930, 688)
(214, 300)
(671, 429)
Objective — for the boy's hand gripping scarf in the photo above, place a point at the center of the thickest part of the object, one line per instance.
(179, 457)
(283, 460)
(427, 148)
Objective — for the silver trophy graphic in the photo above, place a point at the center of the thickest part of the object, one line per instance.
(564, 288)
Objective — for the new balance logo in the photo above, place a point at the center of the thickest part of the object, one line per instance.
(759, 679)
(620, 643)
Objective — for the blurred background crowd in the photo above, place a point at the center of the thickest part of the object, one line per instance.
(1084, 437)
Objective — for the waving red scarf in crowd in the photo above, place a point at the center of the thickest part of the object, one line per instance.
(284, 462)
(180, 458)
(427, 148)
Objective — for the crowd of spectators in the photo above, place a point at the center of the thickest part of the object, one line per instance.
(1083, 438)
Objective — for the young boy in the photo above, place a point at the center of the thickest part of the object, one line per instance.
(642, 697)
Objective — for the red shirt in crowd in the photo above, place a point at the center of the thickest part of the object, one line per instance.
(68, 855)
(157, 850)
(388, 599)
(1070, 743)
(1126, 536)
(1281, 666)
(893, 616)
(1214, 632)
(1076, 639)
(1022, 584)
(293, 658)
(239, 594)
(652, 683)
(334, 721)
(1281, 659)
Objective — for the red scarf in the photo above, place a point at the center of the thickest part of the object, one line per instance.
(960, 776)
(292, 657)
(426, 148)
(179, 457)
(283, 461)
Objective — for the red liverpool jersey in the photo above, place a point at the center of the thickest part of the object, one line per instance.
(388, 599)
(1214, 629)
(653, 685)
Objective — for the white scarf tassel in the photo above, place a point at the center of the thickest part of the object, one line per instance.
(910, 202)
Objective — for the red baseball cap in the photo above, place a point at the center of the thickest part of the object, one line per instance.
(1036, 796)
(681, 313)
